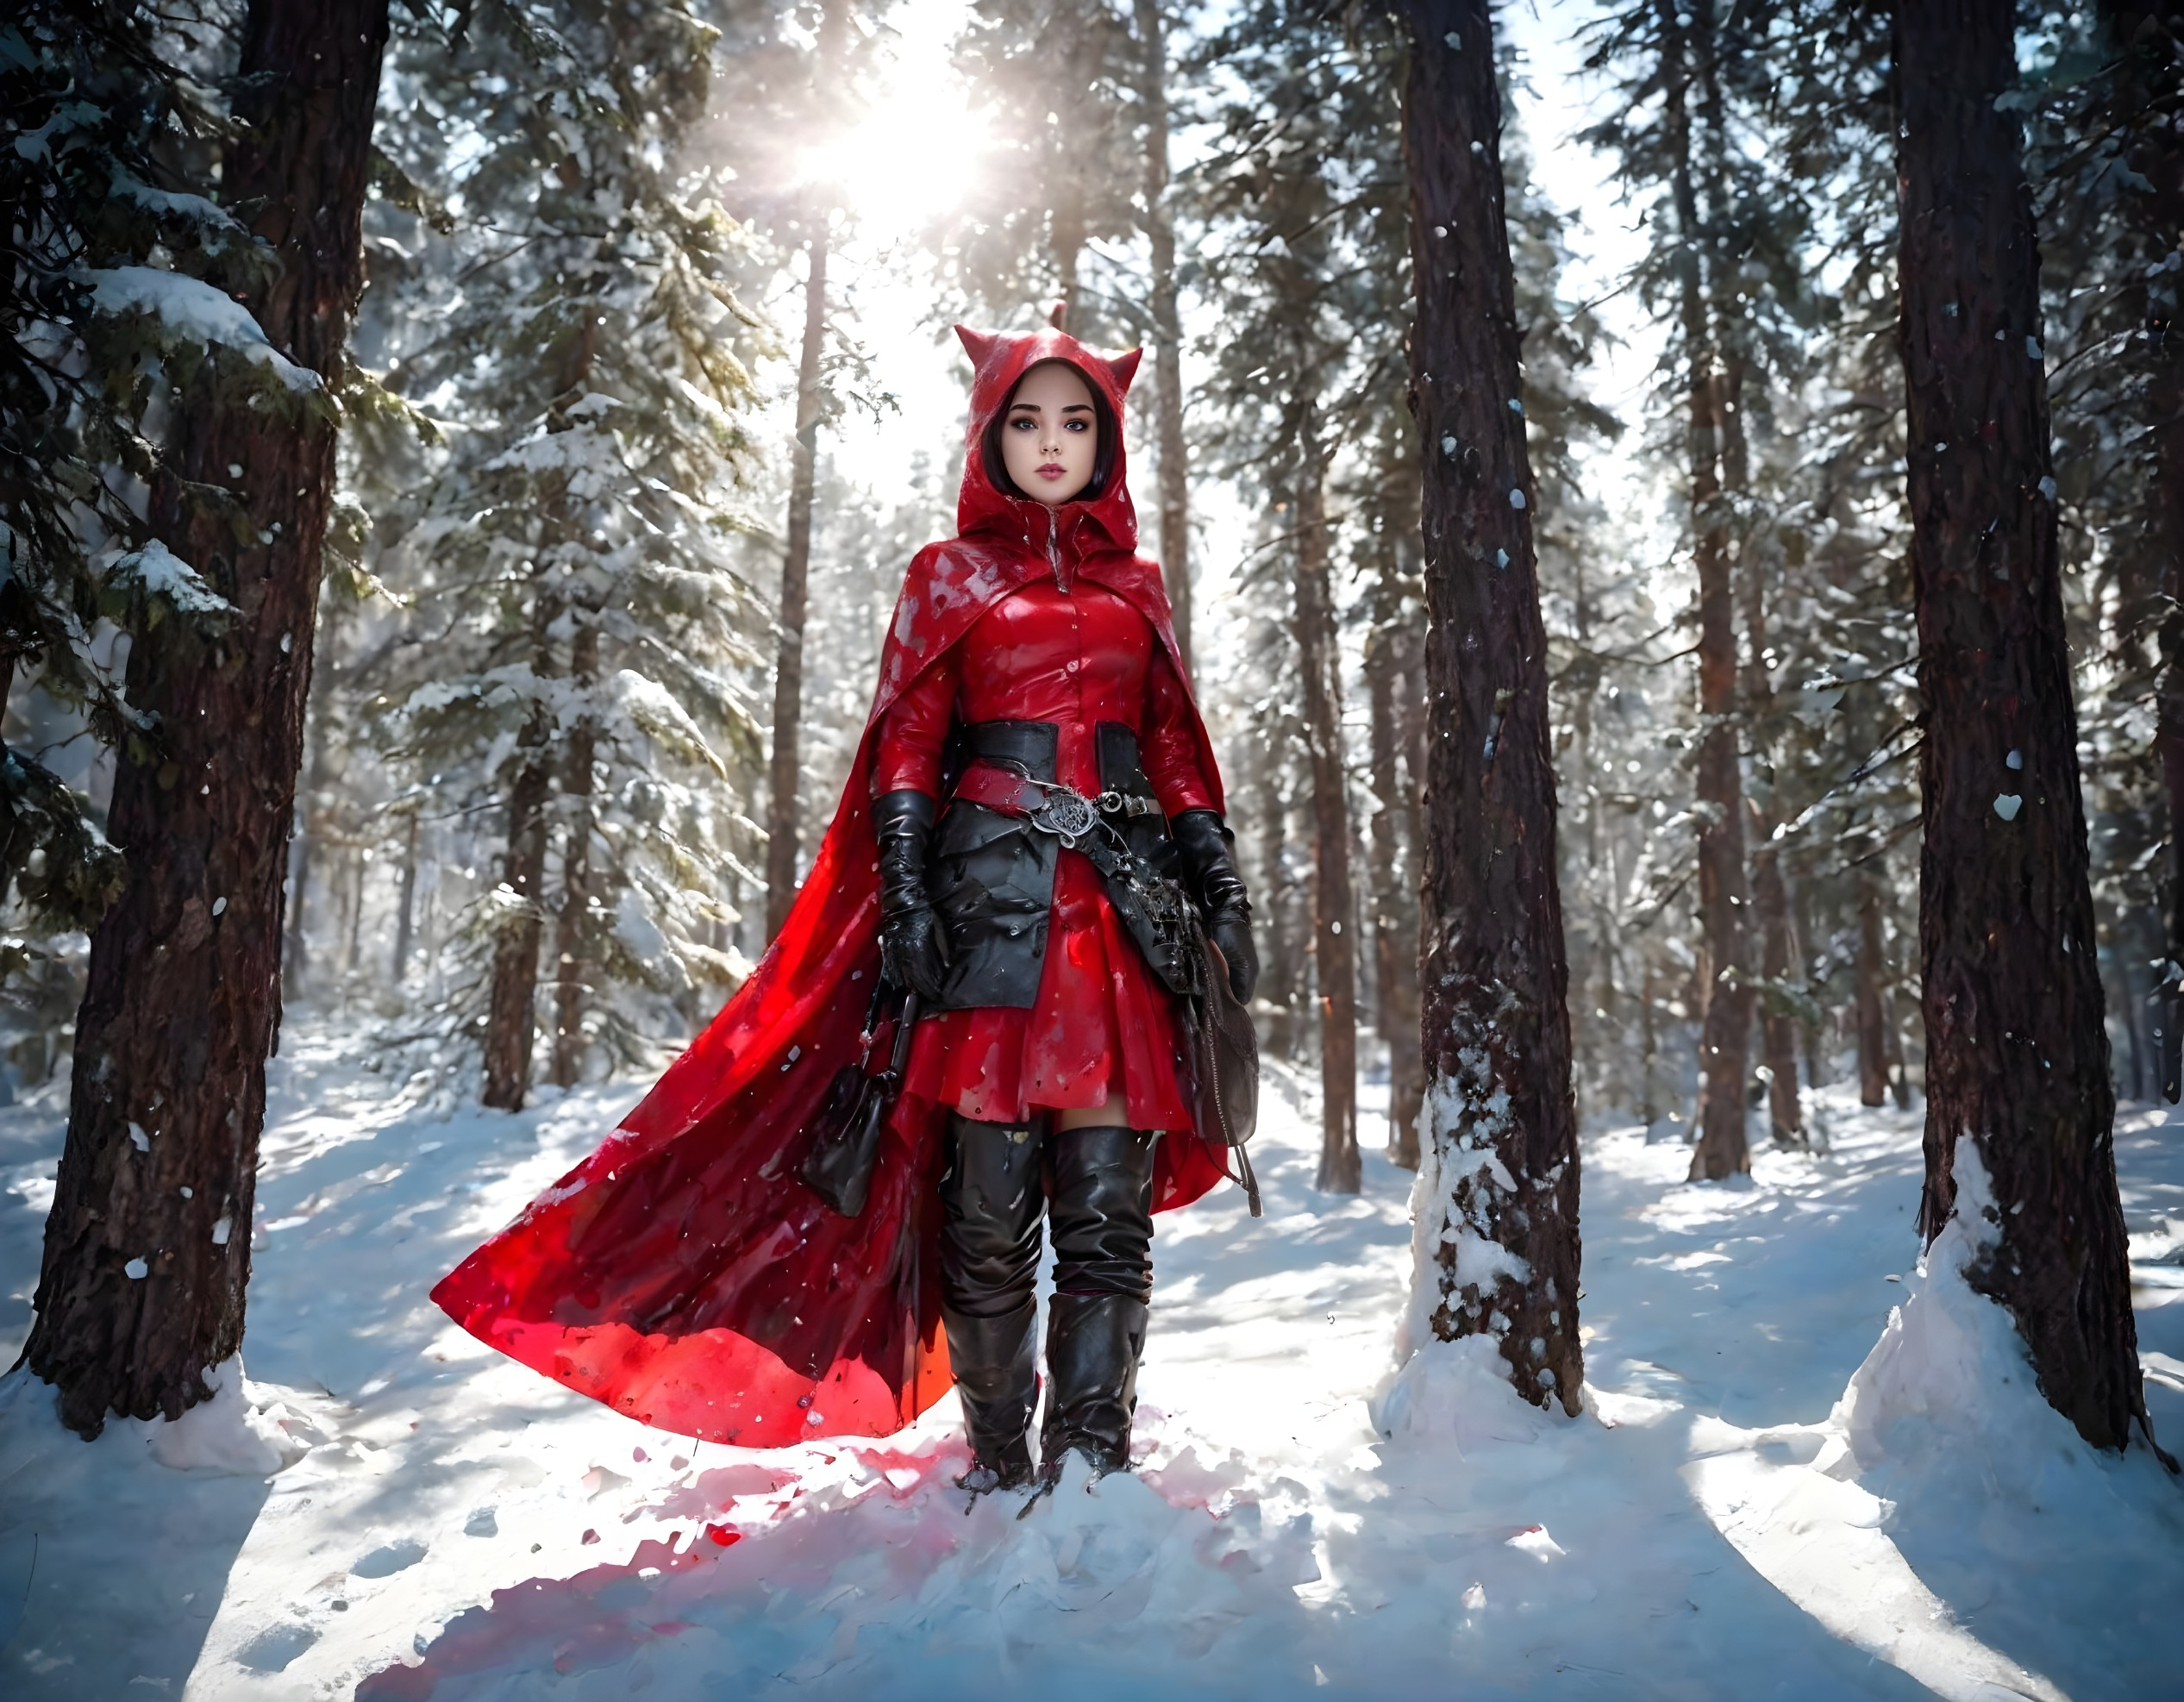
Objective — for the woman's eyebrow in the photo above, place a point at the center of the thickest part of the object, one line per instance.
(1078, 408)
(1028, 407)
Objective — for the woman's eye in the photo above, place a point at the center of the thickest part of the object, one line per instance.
(1024, 423)
(1077, 425)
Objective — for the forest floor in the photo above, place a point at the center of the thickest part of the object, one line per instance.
(387, 1509)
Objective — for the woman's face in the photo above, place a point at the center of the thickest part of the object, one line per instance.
(1050, 436)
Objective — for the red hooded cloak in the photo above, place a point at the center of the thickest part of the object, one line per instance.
(684, 1273)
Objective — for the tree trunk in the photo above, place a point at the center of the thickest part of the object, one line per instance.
(359, 864)
(296, 944)
(1066, 240)
(1502, 1169)
(1168, 325)
(1395, 963)
(1726, 1019)
(404, 922)
(1770, 892)
(1278, 964)
(2149, 66)
(512, 1013)
(147, 1245)
(1872, 1038)
(2127, 1002)
(1334, 944)
(1778, 963)
(1892, 1036)
(571, 955)
(1393, 669)
(796, 575)
(511, 1010)
(2017, 1057)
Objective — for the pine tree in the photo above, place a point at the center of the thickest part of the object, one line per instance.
(828, 67)
(142, 1284)
(1304, 190)
(1164, 319)
(1394, 664)
(2018, 1067)
(1502, 1167)
(578, 626)
(1059, 81)
(2103, 91)
(99, 181)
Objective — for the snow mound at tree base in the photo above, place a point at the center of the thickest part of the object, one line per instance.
(246, 1429)
(1941, 1444)
(1455, 1394)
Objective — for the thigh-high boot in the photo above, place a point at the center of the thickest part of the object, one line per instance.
(990, 1196)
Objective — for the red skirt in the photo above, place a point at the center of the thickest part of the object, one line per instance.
(1103, 1030)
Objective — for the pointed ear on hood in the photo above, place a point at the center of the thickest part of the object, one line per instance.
(977, 344)
(1124, 367)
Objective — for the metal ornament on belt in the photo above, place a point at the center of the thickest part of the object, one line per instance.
(1066, 813)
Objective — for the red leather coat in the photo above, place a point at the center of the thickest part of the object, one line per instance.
(684, 1273)
(1101, 1028)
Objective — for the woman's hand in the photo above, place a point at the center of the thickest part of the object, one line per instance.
(1203, 839)
(913, 947)
(1230, 930)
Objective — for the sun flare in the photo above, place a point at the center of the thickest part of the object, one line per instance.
(909, 160)
(918, 139)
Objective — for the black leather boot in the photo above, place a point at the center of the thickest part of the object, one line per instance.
(1102, 1186)
(991, 1197)
(997, 1384)
(1093, 1342)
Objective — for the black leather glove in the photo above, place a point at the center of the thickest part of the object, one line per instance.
(1211, 878)
(913, 948)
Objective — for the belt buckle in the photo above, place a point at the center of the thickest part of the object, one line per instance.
(1067, 814)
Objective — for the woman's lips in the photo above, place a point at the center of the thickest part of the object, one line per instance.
(1051, 472)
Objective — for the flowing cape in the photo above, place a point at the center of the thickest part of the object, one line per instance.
(684, 1273)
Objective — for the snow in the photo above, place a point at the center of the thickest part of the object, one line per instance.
(1792, 1479)
(191, 311)
(216, 221)
(158, 572)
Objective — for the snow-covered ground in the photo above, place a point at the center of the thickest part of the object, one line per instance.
(1722, 1522)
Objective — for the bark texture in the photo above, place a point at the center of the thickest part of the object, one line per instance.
(310, 822)
(2149, 42)
(1503, 1166)
(148, 1246)
(1167, 324)
(572, 927)
(796, 577)
(510, 1009)
(1726, 1019)
(1334, 902)
(2016, 1053)
(1770, 889)
(1872, 1013)
(1395, 963)
(406, 914)
(1276, 997)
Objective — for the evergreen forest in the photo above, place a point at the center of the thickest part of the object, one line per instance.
(1674, 513)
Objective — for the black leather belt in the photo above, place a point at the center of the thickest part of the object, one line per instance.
(1061, 810)
(1030, 748)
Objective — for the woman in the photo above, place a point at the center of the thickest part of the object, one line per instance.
(684, 1273)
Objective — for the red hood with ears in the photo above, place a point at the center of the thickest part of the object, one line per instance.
(1104, 520)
